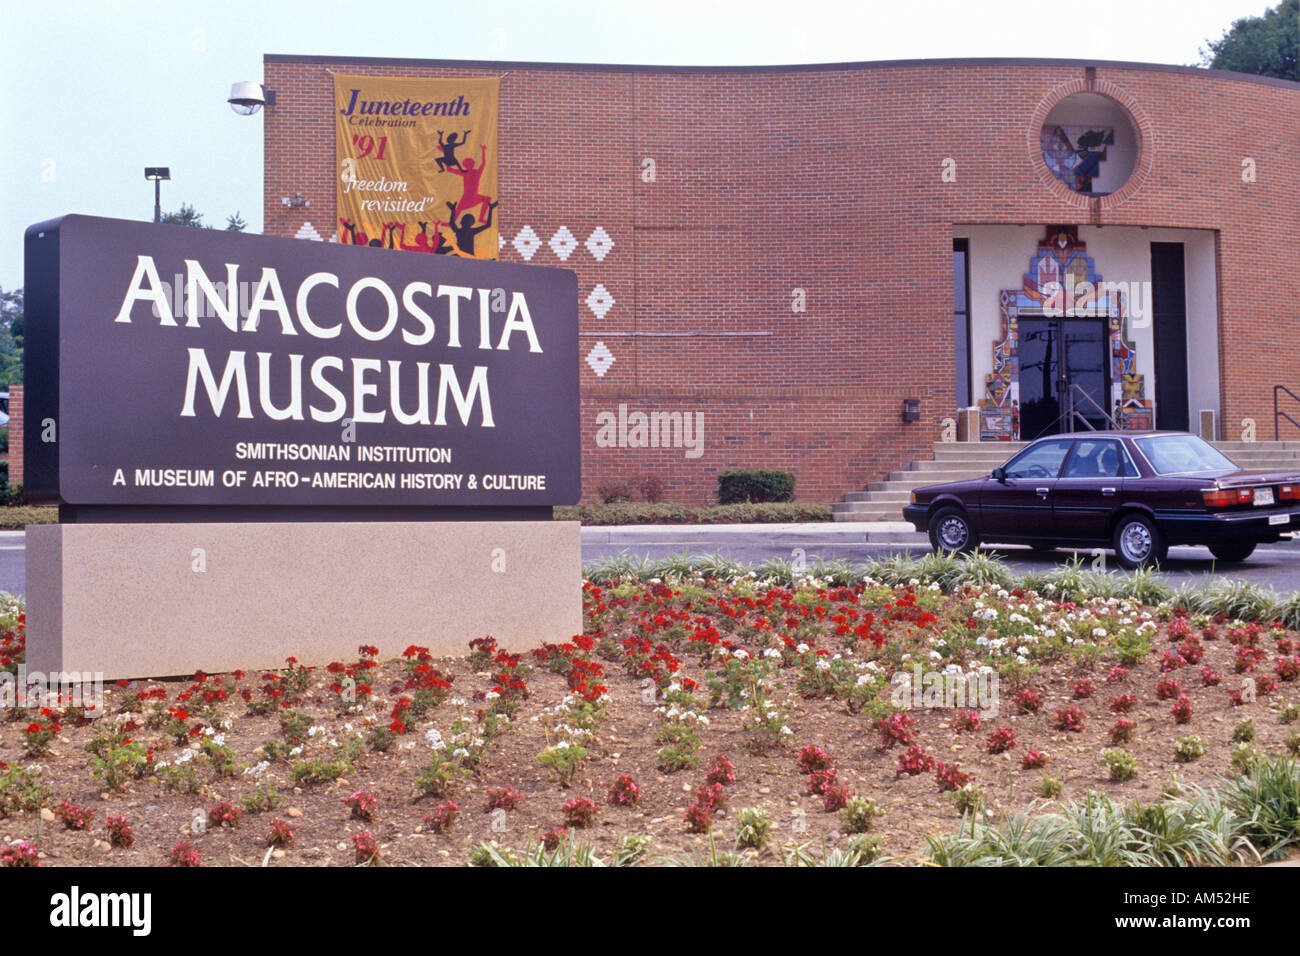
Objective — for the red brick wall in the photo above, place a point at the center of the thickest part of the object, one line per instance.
(829, 180)
(16, 434)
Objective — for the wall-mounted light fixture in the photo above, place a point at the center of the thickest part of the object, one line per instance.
(247, 98)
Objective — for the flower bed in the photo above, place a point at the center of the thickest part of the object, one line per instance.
(706, 713)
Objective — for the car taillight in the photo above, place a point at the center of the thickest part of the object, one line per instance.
(1288, 492)
(1227, 497)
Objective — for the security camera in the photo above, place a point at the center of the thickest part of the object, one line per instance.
(247, 98)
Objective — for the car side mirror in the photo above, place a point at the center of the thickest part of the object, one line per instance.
(999, 474)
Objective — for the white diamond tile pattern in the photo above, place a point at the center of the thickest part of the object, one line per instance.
(600, 301)
(526, 243)
(599, 243)
(563, 243)
(600, 358)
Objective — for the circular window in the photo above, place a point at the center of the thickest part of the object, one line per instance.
(1089, 143)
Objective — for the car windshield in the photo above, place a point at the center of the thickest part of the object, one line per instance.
(1181, 454)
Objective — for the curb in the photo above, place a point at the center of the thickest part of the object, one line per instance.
(893, 532)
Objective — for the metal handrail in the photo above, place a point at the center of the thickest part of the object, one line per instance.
(1278, 413)
(1075, 413)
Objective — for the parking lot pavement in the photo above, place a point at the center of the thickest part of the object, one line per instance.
(12, 553)
(1274, 565)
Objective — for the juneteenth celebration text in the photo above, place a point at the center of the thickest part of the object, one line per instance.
(348, 388)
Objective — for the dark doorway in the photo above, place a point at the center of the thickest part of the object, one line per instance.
(1169, 326)
(1056, 354)
(961, 318)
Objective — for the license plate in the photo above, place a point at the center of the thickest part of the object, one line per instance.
(1279, 519)
(1263, 497)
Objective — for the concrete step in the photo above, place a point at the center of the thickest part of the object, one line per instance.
(958, 445)
(889, 537)
(953, 464)
(1262, 455)
(938, 477)
(900, 495)
(1001, 454)
(861, 508)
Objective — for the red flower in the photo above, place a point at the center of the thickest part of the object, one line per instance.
(1033, 759)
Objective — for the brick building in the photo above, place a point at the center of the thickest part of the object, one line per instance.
(797, 251)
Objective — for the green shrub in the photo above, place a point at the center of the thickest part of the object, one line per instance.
(969, 799)
(1268, 804)
(1201, 830)
(1050, 787)
(753, 827)
(12, 495)
(1187, 749)
(859, 813)
(21, 789)
(755, 484)
(1121, 764)
(261, 800)
(614, 492)
(16, 518)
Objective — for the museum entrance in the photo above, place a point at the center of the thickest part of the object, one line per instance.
(1063, 367)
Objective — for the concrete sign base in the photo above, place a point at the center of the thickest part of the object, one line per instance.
(157, 600)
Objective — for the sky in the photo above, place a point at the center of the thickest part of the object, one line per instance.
(92, 92)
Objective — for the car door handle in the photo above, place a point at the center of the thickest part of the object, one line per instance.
(1042, 492)
(1108, 491)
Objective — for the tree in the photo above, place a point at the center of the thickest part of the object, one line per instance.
(11, 337)
(189, 216)
(1268, 45)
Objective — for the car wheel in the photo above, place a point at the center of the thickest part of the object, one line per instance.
(950, 530)
(1138, 542)
(1232, 551)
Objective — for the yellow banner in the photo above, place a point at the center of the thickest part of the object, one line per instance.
(417, 161)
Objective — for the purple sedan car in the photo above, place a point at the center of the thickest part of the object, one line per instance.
(1134, 492)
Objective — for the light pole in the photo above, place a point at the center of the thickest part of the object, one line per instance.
(157, 174)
